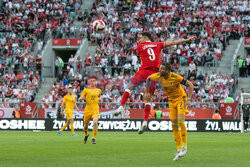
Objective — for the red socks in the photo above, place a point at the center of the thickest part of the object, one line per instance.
(147, 111)
(125, 97)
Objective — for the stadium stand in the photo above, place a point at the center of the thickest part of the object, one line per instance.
(116, 60)
(24, 28)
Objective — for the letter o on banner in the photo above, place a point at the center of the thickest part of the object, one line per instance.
(154, 125)
(4, 124)
(1, 113)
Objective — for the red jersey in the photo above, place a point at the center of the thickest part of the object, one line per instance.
(150, 53)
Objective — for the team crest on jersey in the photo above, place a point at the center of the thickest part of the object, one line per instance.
(97, 92)
(171, 83)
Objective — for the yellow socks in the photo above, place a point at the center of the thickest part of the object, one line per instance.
(177, 136)
(183, 133)
(94, 133)
(64, 126)
(72, 128)
(85, 131)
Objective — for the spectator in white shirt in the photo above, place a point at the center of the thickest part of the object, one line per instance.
(127, 68)
(134, 61)
(71, 60)
(39, 45)
(78, 76)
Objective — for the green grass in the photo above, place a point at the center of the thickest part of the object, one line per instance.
(117, 149)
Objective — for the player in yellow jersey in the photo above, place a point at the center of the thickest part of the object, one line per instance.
(179, 103)
(92, 96)
(69, 101)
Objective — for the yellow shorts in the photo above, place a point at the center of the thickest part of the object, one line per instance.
(178, 107)
(69, 116)
(89, 115)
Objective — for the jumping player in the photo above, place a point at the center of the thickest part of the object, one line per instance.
(92, 96)
(150, 54)
(179, 102)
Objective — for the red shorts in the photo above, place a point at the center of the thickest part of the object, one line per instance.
(141, 76)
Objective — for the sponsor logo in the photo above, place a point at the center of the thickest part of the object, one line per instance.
(229, 110)
(247, 40)
(126, 114)
(22, 124)
(167, 125)
(68, 42)
(191, 113)
(28, 109)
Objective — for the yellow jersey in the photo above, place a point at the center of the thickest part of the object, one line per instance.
(69, 101)
(171, 86)
(91, 96)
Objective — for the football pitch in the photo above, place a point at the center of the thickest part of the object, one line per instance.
(117, 149)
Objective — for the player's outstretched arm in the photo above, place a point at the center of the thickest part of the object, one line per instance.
(176, 42)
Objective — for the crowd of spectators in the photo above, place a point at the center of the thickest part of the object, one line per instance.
(213, 22)
(115, 61)
(25, 25)
(208, 90)
(18, 88)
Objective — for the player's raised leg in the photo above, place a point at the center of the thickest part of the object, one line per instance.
(124, 99)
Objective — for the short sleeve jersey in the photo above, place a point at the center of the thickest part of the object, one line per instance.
(150, 54)
(69, 101)
(171, 86)
(91, 96)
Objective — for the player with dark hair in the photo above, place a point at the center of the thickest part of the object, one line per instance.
(92, 96)
(150, 54)
(179, 102)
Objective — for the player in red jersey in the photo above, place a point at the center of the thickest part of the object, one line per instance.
(150, 54)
